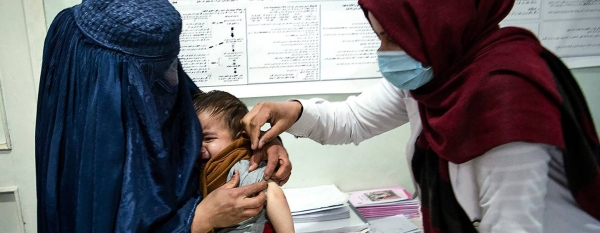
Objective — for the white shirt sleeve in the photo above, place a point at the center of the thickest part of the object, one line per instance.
(512, 181)
(375, 111)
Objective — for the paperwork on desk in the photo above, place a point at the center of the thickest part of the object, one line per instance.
(385, 202)
(323, 209)
(313, 199)
(324, 215)
(393, 224)
(353, 224)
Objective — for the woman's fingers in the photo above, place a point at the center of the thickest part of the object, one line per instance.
(255, 159)
(281, 116)
(251, 189)
(254, 120)
(250, 212)
(228, 205)
(235, 180)
(284, 170)
(253, 205)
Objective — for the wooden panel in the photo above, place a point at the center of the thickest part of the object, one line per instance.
(4, 136)
(11, 219)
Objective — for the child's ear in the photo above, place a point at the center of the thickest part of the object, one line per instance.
(241, 134)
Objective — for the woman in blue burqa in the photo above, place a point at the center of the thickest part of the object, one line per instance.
(117, 137)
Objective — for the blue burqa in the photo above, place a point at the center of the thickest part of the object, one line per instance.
(116, 134)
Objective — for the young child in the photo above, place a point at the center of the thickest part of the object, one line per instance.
(225, 150)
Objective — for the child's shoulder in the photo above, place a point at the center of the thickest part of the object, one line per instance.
(246, 177)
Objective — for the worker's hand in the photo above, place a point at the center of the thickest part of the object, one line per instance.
(281, 116)
(277, 161)
(229, 205)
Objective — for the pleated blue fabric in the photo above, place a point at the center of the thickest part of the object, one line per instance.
(116, 134)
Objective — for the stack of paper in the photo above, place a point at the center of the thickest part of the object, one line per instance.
(323, 209)
(353, 224)
(313, 199)
(385, 202)
(323, 215)
(393, 224)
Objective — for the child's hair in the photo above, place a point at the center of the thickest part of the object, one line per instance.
(221, 104)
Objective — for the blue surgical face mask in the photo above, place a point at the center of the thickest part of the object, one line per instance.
(402, 70)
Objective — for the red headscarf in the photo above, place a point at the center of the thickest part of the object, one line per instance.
(490, 85)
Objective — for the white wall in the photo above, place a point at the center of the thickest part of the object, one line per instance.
(23, 28)
(589, 81)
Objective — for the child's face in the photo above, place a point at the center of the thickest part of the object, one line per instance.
(216, 135)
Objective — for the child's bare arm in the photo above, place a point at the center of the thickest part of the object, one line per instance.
(278, 209)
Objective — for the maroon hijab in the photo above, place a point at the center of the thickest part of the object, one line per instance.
(490, 85)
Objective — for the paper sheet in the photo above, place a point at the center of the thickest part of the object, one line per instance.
(312, 198)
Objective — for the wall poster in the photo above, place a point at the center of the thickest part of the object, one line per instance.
(255, 48)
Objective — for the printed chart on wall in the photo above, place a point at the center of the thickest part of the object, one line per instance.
(257, 48)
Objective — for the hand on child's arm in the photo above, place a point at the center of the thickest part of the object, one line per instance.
(281, 116)
(229, 205)
(277, 158)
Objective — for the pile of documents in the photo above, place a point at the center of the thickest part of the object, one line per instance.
(393, 224)
(323, 209)
(338, 212)
(385, 202)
